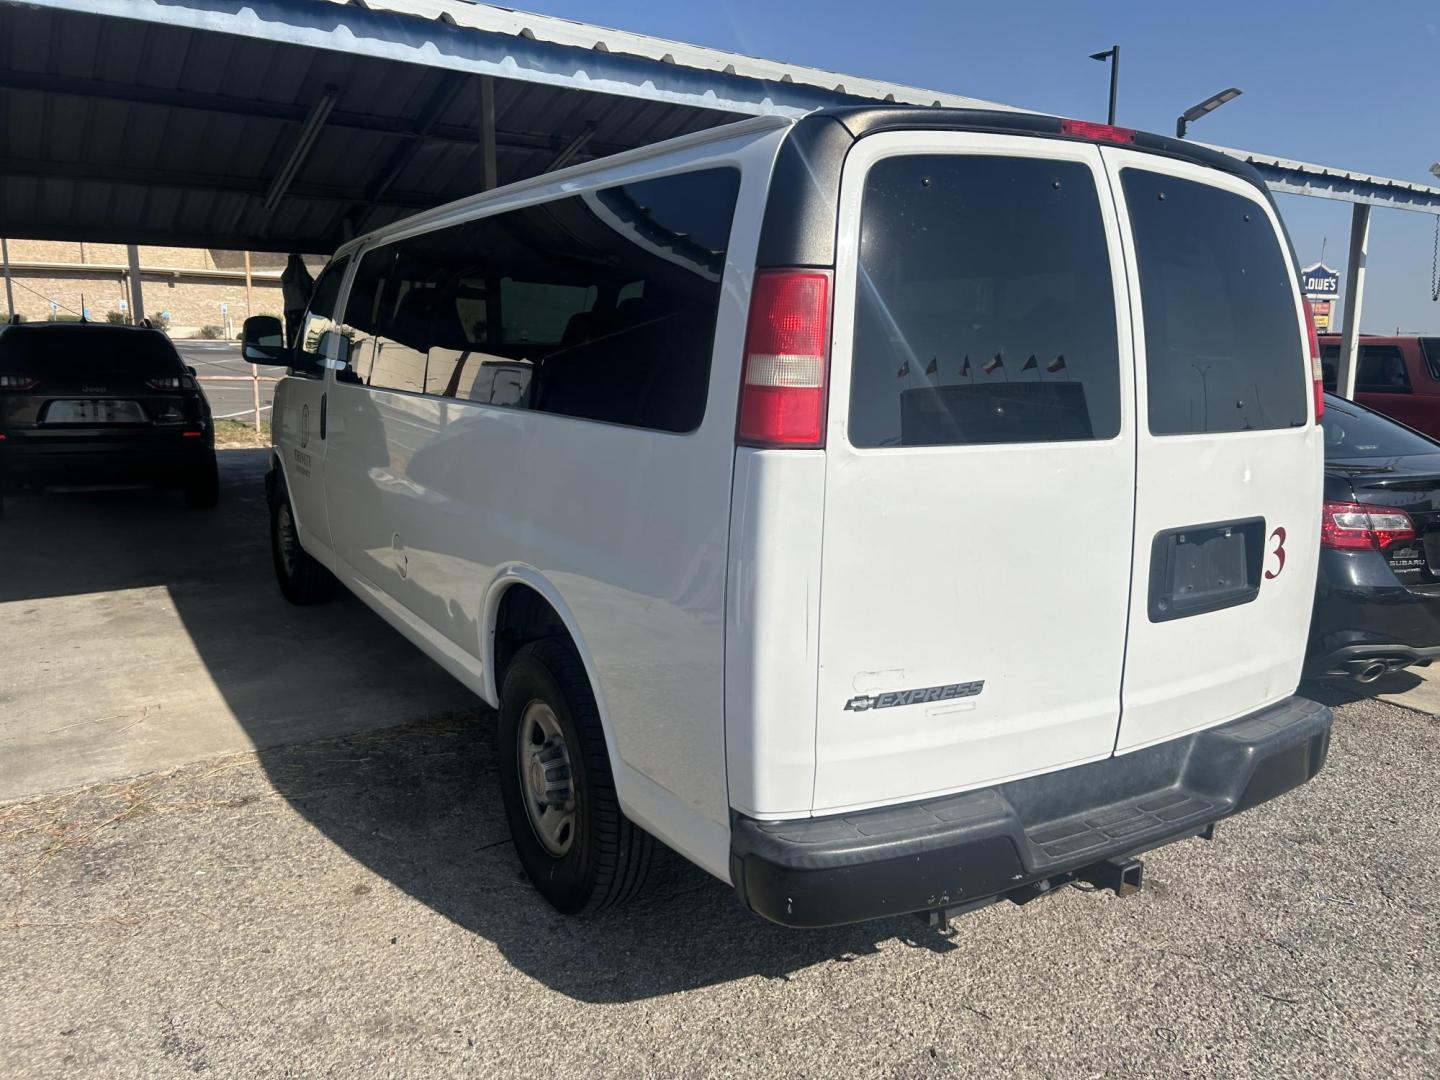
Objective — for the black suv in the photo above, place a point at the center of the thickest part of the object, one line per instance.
(92, 403)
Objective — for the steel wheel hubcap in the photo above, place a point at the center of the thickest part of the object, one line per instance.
(543, 761)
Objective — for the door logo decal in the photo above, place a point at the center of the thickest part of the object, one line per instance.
(890, 699)
(1279, 537)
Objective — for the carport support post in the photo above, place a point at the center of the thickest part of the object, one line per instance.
(137, 287)
(1354, 296)
(489, 174)
(254, 371)
(9, 288)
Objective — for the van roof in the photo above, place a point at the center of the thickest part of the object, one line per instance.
(821, 139)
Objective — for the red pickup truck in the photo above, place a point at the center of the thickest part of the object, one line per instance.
(1398, 376)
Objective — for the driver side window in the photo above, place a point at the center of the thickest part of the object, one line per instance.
(321, 342)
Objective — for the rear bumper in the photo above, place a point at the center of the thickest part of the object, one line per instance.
(148, 456)
(1018, 838)
(1362, 612)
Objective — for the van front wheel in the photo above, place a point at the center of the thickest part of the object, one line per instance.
(303, 580)
(577, 847)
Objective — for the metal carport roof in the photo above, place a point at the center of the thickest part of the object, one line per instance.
(170, 123)
(293, 124)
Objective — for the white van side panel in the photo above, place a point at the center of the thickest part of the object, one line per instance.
(772, 643)
(433, 499)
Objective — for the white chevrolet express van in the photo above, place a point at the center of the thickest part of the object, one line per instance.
(891, 510)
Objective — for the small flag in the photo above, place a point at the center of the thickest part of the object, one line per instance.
(1031, 364)
(932, 367)
(965, 367)
(904, 370)
(994, 362)
(1058, 364)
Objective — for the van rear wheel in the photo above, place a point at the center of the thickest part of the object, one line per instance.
(577, 847)
(303, 580)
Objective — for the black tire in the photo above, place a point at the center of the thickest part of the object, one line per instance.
(202, 484)
(303, 580)
(609, 856)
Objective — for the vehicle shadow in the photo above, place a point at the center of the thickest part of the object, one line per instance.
(1336, 692)
(388, 757)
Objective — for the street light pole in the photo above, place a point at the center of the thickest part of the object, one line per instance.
(1209, 105)
(1113, 55)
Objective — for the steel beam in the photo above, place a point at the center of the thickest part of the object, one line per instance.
(399, 126)
(1354, 298)
(304, 143)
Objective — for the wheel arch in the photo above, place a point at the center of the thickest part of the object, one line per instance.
(521, 590)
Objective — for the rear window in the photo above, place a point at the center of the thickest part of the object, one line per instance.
(86, 351)
(1223, 350)
(985, 311)
(1430, 346)
(1352, 432)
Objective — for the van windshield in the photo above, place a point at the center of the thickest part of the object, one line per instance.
(84, 352)
(1223, 350)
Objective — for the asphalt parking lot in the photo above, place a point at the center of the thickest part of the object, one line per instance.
(228, 400)
(341, 902)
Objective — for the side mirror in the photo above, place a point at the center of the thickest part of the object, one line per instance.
(262, 341)
(191, 370)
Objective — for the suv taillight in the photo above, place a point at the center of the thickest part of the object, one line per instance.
(171, 382)
(787, 360)
(18, 382)
(1347, 526)
(1317, 372)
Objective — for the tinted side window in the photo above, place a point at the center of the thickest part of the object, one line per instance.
(1223, 350)
(1382, 370)
(600, 306)
(321, 341)
(1330, 365)
(985, 311)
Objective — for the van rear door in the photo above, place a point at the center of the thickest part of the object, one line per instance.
(1229, 458)
(980, 468)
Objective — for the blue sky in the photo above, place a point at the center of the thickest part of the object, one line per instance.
(1344, 84)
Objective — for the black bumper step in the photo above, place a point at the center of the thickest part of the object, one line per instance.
(963, 849)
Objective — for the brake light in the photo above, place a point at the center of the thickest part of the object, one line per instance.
(787, 360)
(1085, 129)
(18, 382)
(1317, 370)
(1348, 526)
(171, 382)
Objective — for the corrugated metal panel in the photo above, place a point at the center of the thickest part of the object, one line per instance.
(163, 121)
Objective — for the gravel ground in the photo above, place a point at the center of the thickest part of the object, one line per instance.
(354, 907)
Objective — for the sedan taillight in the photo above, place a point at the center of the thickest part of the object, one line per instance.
(1349, 526)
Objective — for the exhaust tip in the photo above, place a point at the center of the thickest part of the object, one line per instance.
(1371, 671)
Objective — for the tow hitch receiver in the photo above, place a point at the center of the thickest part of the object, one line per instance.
(1123, 876)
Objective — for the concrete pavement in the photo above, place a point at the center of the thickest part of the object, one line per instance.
(141, 635)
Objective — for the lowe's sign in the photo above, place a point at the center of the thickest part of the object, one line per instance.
(1319, 282)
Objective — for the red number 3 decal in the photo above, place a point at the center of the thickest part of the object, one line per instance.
(1279, 537)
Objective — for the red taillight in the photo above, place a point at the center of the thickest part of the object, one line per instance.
(1350, 526)
(192, 434)
(787, 360)
(1317, 370)
(171, 382)
(18, 382)
(1085, 129)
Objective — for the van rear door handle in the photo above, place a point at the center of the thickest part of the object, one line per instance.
(322, 414)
